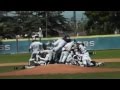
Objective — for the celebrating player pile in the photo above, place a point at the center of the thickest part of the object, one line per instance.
(63, 51)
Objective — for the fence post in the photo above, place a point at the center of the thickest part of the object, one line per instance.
(0, 40)
(29, 42)
(17, 43)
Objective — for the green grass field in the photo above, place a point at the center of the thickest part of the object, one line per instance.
(24, 57)
(99, 55)
(14, 58)
(107, 54)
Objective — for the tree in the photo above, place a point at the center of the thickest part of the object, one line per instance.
(26, 22)
(102, 22)
(55, 22)
(32, 20)
(6, 23)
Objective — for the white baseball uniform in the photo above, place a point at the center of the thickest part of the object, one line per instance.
(59, 44)
(85, 55)
(70, 57)
(48, 55)
(58, 48)
(35, 47)
(65, 51)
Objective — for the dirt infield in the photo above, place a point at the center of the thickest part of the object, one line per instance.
(59, 69)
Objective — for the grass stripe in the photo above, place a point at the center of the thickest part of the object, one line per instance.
(107, 75)
(14, 58)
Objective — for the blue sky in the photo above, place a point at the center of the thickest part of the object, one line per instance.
(69, 14)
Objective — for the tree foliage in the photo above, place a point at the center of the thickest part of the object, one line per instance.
(102, 22)
(23, 22)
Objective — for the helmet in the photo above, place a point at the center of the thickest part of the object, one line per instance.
(67, 38)
(83, 44)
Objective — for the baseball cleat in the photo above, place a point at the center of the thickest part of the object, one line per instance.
(81, 65)
(101, 64)
(68, 63)
(29, 67)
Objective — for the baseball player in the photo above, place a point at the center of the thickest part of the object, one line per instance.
(70, 59)
(65, 51)
(86, 60)
(35, 46)
(58, 47)
(73, 57)
(40, 59)
(84, 54)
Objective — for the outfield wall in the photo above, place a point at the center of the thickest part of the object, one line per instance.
(103, 42)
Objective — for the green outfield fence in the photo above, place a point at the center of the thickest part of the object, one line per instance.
(96, 42)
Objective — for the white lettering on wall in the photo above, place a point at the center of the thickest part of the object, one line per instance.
(92, 43)
(89, 43)
(4, 47)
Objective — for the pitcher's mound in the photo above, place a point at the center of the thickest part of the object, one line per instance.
(57, 69)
